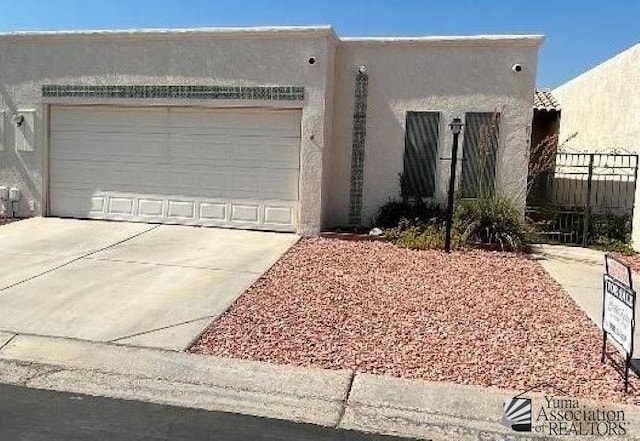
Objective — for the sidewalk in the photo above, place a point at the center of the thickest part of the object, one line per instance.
(341, 399)
(580, 272)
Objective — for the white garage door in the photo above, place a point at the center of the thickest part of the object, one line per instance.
(232, 168)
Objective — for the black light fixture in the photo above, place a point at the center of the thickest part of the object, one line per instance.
(456, 128)
(18, 119)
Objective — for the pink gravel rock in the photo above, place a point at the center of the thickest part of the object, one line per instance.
(481, 318)
(633, 261)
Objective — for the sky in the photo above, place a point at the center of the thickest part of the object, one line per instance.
(579, 34)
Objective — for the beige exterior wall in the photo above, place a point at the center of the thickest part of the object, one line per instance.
(258, 58)
(447, 76)
(452, 75)
(601, 105)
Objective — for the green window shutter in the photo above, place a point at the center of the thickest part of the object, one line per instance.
(481, 134)
(420, 151)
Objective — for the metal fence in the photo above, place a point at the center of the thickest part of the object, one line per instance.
(582, 190)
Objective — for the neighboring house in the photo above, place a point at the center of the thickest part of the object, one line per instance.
(288, 129)
(601, 108)
(601, 105)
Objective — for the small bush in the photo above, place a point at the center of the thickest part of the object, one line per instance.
(611, 232)
(610, 227)
(494, 220)
(417, 235)
(421, 237)
(479, 221)
(391, 213)
(605, 244)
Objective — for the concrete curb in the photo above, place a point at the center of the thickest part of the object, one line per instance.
(342, 399)
(213, 383)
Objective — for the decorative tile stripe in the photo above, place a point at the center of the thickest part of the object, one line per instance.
(357, 152)
(281, 93)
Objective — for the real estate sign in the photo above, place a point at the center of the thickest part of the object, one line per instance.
(619, 303)
(618, 309)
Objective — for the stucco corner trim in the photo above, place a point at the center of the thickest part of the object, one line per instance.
(288, 93)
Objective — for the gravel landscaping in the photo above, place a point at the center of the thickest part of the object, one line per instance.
(478, 317)
(633, 261)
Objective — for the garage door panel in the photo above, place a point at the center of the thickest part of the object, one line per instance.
(256, 151)
(151, 208)
(252, 119)
(234, 181)
(281, 185)
(272, 215)
(110, 115)
(107, 148)
(230, 168)
(107, 176)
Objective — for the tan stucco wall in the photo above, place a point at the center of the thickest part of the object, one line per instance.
(602, 105)
(245, 59)
(447, 77)
(451, 75)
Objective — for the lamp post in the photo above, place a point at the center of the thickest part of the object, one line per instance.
(456, 128)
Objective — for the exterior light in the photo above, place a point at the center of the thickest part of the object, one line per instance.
(456, 126)
(18, 120)
(362, 69)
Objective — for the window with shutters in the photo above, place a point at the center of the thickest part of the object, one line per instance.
(420, 154)
(480, 147)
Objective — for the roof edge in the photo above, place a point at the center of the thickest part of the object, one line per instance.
(452, 40)
(255, 31)
(284, 31)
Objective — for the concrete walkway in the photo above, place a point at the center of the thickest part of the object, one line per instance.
(580, 272)
(334, 398)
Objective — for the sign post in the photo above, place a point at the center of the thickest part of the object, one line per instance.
(618, 310)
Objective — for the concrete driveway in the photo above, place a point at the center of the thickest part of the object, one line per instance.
(130, 283)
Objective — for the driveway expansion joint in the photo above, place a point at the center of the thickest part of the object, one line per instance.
(7, 341)
(172, 265)
(75, 259)
(116, 340)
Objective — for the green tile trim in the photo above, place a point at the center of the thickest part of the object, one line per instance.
(278, 93)
(357, 149)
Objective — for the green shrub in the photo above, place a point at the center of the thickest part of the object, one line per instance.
(391, 213)
(418, 235)
(493, 220)
(609, 227)
(476, 221)
(611, 232)
(605, 244)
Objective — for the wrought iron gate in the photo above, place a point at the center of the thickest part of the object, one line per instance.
(583, 191)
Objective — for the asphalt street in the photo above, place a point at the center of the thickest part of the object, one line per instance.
(34, 415)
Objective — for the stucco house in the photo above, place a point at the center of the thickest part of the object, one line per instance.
(284, 129)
